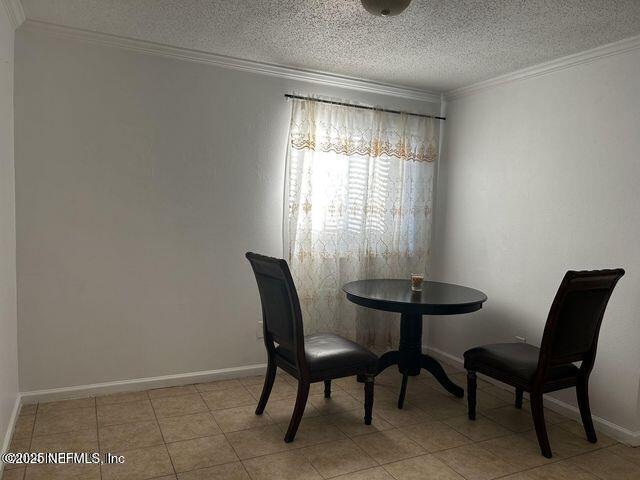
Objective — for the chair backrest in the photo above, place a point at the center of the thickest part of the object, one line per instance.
(281, 314)
(573, 324)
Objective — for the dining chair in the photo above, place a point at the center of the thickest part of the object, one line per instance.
(570, 336)
(315, 358)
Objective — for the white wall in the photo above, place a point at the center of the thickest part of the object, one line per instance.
(8, 328)
(141, 182)
(537, 177)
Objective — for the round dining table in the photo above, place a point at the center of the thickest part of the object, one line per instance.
(436, 298)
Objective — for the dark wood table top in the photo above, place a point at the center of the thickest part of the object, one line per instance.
(436, 298)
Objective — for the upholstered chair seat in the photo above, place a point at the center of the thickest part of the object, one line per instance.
(332, 355)
(519, 360)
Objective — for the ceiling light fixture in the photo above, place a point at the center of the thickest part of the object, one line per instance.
(385, 8)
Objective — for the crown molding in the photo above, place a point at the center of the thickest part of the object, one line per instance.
(15, 12)
(199, 56)
(615, 48)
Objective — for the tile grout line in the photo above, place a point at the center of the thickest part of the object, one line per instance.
(95, 406)
(555, 461)
(347, 473)
(231, 444)
(245, 469)
(225, 433)
(202, 468)
(33, 429)
(164, 443)
(603, 448)
(434, 453)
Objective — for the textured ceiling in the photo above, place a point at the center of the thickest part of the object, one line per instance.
(436, 45)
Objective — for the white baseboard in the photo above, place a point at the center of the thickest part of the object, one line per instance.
(9, 433)
(603, 425)
(79, 391)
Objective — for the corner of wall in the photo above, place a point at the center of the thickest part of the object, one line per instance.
(15, 12)
(11, 18)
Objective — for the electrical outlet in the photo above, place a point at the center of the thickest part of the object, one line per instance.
(259, 329)
(521, 339)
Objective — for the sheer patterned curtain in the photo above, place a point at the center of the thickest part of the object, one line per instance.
(358, 206)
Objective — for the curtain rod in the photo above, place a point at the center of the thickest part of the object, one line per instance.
(364, 107)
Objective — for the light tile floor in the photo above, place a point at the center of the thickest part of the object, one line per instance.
(209, 431)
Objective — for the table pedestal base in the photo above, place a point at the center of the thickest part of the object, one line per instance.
(411, 360)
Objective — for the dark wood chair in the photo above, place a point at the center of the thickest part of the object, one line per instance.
(314, 358)
(570, 335)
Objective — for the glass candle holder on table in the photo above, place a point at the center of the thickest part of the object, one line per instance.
(417, 279)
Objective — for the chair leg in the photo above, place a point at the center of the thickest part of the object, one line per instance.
(472, 384)
(403, 390)
(266, 389)
(298, 410)
(368, 399)
(327, 388)
(537, 411)
(582, 392)
(519, 394)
